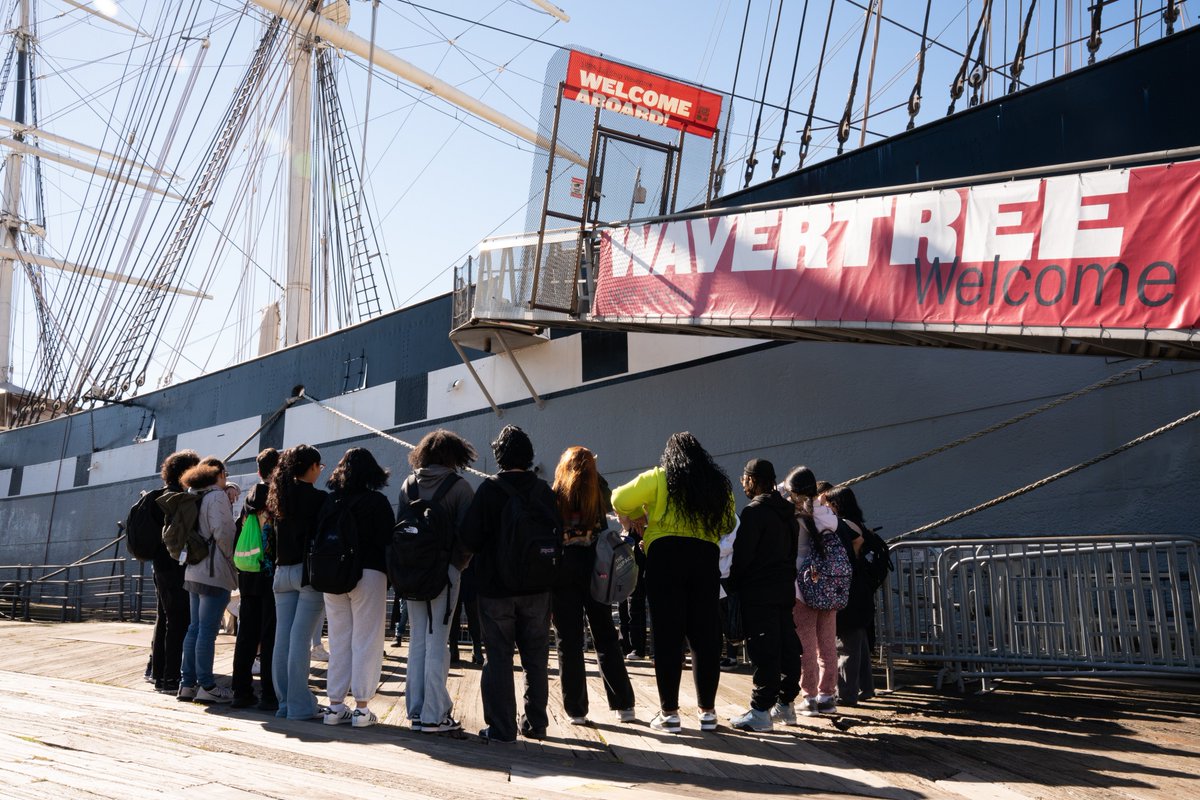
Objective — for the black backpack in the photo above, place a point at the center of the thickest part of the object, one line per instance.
(530, 544)
(143, 526)
(334, 557)
(418, 558)
(874, 558)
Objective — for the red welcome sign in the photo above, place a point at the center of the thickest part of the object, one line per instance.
(617, 87)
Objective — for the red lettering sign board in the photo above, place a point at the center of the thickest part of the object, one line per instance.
(1110, 249)
(596, 81)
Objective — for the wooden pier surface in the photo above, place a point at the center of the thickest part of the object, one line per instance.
(81, 723)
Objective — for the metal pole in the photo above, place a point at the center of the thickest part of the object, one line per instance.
(536, 398)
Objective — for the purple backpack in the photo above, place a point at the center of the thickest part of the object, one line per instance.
(824, 578)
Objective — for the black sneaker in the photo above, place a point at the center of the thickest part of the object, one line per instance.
(728, 664)
(268, 704)
(445, 726)
(531, 732)
(243, 701)
(488, 738)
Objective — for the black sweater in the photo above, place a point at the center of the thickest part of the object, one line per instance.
(375, 520)
(481, 529)
(763, 570)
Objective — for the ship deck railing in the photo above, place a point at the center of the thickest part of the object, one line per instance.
(984, 608)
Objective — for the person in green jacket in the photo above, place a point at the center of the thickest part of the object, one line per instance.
(684, 506)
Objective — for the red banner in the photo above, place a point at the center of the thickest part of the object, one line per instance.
(596, 81)
(1111, 249)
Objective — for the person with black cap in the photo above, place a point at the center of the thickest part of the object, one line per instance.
(513, 530)
(762, 576)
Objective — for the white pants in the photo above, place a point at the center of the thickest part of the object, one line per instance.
(425, 693)
(356, 639)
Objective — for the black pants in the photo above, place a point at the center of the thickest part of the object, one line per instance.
(525, 622)
(255, 635)
(174, 617)
(633, 611)
(571, 601)
(855, 681)
(774, 650)
(472, 608)
(682, 585)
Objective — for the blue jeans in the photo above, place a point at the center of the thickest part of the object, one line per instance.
(201, 638)
(297, 612)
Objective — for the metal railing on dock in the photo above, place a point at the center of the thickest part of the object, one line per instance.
(1042, 606)
(110, 588)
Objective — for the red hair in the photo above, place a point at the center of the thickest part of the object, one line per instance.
(577, 486)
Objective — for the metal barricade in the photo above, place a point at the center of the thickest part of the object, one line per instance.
(1042, 606)
(111, 588)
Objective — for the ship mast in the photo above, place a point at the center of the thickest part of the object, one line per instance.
(298, 291)
(10, 217)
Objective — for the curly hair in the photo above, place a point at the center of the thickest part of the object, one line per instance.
(294, 462)
(697, 488)
(204, 474)
(577, 487)
(358, 471)
(442, 448)
(176, 464)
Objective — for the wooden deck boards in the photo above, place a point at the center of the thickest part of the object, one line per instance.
(89, 727)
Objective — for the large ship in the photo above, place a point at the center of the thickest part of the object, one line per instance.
(845, 395)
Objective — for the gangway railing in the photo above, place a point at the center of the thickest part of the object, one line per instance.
(1044, 606)
(110, 588)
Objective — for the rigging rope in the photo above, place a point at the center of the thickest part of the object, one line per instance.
(960, 77)
(751, 160)
(806, 136)
(1052, 478)
(777, 155)
(1094, 40)
(1018, 62)
(914, 99)
(980, 70)
(843, 132)
(1056, 402)
(862, 139)
(376, 431)
(719, 178)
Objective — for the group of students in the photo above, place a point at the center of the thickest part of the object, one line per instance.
(680, 513)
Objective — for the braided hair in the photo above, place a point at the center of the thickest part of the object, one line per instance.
(697, 488)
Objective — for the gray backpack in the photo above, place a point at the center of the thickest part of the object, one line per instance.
(614, 572)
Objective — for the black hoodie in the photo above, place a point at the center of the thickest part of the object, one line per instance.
(763, 570)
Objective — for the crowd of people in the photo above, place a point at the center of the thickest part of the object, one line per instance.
(519, 554)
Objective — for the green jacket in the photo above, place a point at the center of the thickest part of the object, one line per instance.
(647, 494)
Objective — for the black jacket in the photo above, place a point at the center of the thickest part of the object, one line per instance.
(763, 570)
(292, 536)
(480, 531)
(860, 611)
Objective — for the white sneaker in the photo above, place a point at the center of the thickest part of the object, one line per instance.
(579, 720)
(808, 707)
(217, 694)
(784, 714)
(256, 667)
(667, 723)
(626, 715)
(708, 720)
(337, 717)
(319, 653)
(364, 719)
(445, 726)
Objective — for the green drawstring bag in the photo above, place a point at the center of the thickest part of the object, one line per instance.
(249, 554)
